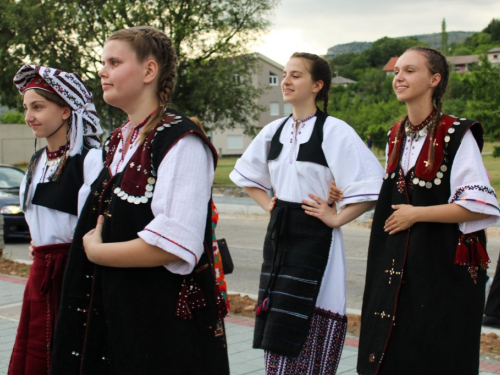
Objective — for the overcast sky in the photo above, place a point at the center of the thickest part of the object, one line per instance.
(315, 25)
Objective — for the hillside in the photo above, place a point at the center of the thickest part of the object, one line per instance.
(434, 40)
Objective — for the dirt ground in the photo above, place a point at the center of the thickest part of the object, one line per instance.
(9, 267)
(244, 306)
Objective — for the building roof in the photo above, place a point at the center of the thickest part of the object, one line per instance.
(389, 67)
(269, 61)
(462, 60)
(341, 81)
(496, 49)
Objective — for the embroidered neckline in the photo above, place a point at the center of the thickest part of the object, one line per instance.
(133, 137)
(420, 130)
(56, 154)
(296, 130)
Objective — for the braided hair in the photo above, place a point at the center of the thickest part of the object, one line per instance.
(437, 63)
(320, 70)
(150, 42)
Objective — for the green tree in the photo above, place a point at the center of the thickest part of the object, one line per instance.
(12, 117)
(484, 105)
(207, 36)
(444, 38)
(385, 48)
(493, 29)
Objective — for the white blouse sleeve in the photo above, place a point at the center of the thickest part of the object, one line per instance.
(251, 170)
(180, 203)
(356, 170)
(92, 166)
(470, 186)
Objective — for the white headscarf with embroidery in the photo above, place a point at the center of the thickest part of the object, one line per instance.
(85, 122)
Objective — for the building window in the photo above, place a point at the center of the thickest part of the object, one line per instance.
(274, 109)
(234, 142)
(495, 57)
(273, 79)
(237, 78)
(287, 109)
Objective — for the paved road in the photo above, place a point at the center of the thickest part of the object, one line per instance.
(245, 237)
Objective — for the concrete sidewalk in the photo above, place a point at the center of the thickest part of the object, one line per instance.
(243, 359)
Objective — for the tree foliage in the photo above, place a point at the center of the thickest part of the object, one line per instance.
(206, 35)
(371, 107)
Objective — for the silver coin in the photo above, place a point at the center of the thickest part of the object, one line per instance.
(437, 181)
(137, 200)
(151, 180)
(117, 190)
(421, 183)
(121, 193)
(124, 196)
(393, 175)
(439, 175)
(386, 176)
(160, 128)
(148, 194)
(463, 119)
(415, 181)
(444, 168)
(451, 130)
(144, 200)
(447, 138)
(130, 199)
(149, 187)
(456, 123)
(428, 185)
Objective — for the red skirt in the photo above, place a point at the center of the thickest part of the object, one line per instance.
(33, 345)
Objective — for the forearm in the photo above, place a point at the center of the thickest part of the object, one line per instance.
(446, 213)
(260, 196)
(133, 253)
(351, 212)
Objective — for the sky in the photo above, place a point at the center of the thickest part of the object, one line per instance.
(316, 25)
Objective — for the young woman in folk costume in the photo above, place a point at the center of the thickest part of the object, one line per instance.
(300, 317)
(60, 109)
(425, 280)
(139, 295)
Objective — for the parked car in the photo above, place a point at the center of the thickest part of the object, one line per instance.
(15, 225)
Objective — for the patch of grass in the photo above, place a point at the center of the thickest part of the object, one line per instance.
(224, 167)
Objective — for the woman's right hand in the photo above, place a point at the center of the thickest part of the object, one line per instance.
(30, 248)
(335, 194)
(272, 204)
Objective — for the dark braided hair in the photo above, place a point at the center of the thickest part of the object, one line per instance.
(437, 63)
(149, 42)
(320, 70)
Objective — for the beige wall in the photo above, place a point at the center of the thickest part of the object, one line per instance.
(225, 141)
(16, 144)
(494, 58)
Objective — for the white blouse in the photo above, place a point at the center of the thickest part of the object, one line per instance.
(180, 201)
(467, 171)
(351, 165)
(48, 226)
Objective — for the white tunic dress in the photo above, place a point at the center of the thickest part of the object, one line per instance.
(351, 165)
(48, 226)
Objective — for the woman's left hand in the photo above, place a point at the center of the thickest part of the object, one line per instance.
(402, 218)
(92, 240)
(320, 209)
